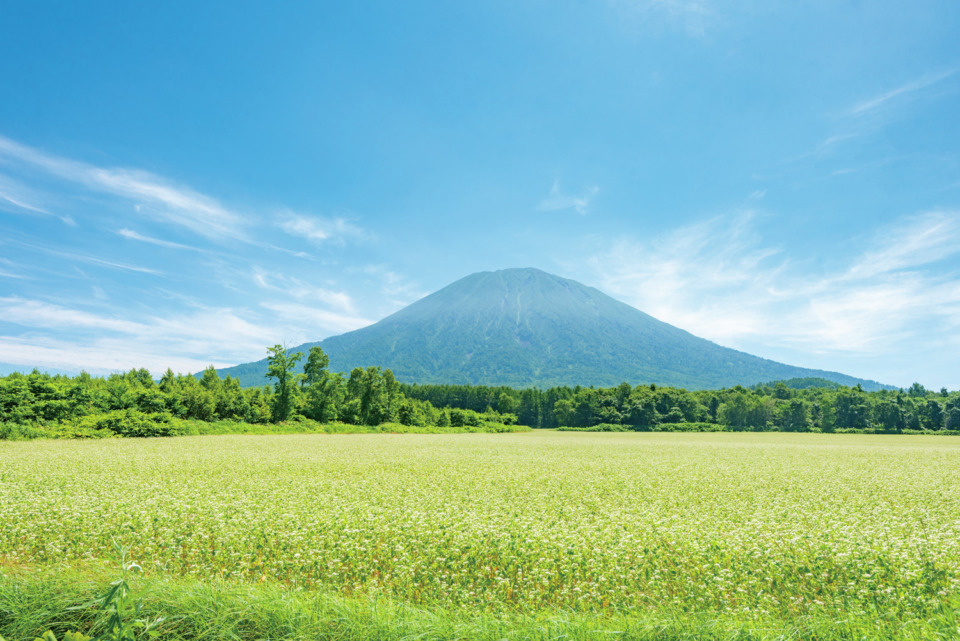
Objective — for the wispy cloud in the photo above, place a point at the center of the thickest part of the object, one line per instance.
(5, 266)
(558, 200)
(301, 290)
(92, 260)
(398, 288)
(912, 242)
(16, 199)
(66, 337)
(902, 91)
(150, 194)
(862, 120)
(718, 279)
(317, 229)
(132, 235)
(35, 313)
(99, 358)
(321, 320)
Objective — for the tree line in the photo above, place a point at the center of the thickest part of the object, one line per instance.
(135, 404)
(797, 405)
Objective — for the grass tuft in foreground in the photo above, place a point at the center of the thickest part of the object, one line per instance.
(31, 604)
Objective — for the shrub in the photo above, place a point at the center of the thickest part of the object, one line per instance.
(131, 422)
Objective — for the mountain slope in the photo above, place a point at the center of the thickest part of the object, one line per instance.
(524, 327)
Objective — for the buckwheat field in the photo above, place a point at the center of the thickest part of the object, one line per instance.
(749, 524)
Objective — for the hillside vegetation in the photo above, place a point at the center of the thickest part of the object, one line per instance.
(527, 328)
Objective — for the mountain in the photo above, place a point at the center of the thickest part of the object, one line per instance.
(525, 327)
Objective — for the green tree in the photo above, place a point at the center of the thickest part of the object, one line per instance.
(506, 403)
(281, 366)
(530, 409)
(231, 402)
(168, 382)
(564, 413)
(640, 412)
(323, 391)
(315, 369)
(118, 393)
(953, 419)
(372, 396)
(197, 400)
(889, 416)
(391, 398)
(795, 416)
(412, 412)
(851, 409)
(744, 411)
(210, 379)
(931, 415)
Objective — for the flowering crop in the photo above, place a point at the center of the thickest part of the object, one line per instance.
(752, 524)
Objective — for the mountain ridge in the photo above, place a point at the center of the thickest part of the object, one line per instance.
(523, 327)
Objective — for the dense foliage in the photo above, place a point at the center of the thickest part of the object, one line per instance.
(796, 405)
(134, 404)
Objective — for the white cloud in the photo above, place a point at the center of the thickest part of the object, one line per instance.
(317, 229)
(718, 279)
(912, 242)
(398, 288)
(902, 91)
(132, 235)
(150, 194)
(16, 198)
(38, 314)
(557, 200)
(102, 358)
(93, 260)
(4, 273)
(72, 339)
(320, 321)
(302, 290)
(100, 338)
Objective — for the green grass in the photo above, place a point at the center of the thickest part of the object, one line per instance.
(193, 427)
(213, 610)
(528, 535)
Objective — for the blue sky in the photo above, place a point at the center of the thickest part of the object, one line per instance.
(186, 183)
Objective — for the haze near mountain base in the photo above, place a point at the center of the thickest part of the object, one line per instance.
(528, 328)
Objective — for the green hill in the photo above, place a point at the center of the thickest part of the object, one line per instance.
(524, 327)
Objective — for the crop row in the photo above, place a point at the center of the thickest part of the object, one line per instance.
(753, 524)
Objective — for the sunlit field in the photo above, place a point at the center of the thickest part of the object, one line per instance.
(752, 525)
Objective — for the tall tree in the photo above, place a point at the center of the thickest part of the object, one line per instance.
(323, 391)
(281, 366)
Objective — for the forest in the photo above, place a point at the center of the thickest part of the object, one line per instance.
(795, 405)
(136, 404)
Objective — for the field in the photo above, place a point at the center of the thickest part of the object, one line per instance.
(739, 527)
